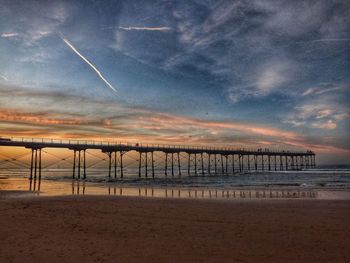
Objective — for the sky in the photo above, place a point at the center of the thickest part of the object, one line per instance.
(218, 73)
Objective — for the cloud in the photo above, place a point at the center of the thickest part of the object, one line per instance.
(323, 88)
(331, 40)
(153, 127)
(142, 28)
(89, 63)
(269, 77)
(272, 76)
(294, 18)
(328, 125)
(117, 118)
(9, 34)
(34, 27)
(322, 112)
(41, 118)
(101, 119)
(252, 48)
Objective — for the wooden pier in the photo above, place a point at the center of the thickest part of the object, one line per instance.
(200, 160)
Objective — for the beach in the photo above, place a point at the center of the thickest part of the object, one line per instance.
(133, 229)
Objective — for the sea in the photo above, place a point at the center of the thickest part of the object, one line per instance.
(321, 183)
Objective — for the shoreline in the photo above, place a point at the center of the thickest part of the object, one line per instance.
(133, 229)
(47, 187)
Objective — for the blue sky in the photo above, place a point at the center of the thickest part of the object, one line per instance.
(235, 73)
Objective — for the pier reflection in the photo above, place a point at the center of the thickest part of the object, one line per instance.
(77, 187)
(34, 186)
(210, 193)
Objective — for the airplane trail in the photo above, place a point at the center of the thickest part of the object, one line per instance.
(89, 63)
(129, 28)
(3, 77)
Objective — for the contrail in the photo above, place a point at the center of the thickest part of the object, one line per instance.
(129, 28)
(4, 77)
(89, 63)
(9, 34)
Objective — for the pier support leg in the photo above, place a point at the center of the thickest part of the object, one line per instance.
(202, 164)
(209, 172)
(140, 161)
(310, 157)
(302, 161)
(222, 164)
(36, 163)
(121, 165)
(75, 157)
(233, 164)
(179, 163)
(31, 165)
(248, 162)
(256, 162)
(195, 164)
(79, 158)
(269, 160)
(281, 163)
(306, 162)
(189, 165)
(240, 162)
(275, 162)
(39, 164)
(152, 164)
(166, 164)
(109, 163)
(115, 164)
(262, 162)
(146, 165)
(172, 164)
(215, 164)
(84, 159)
(311, 162)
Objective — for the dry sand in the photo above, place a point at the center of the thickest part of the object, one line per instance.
(126, 229)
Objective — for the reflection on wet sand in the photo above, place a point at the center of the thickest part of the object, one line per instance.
(78, 187)
(211, 194)
(34, 186)
(82, 188)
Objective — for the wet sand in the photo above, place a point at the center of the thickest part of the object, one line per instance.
(131, 229)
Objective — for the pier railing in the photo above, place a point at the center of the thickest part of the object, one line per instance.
(75, 142)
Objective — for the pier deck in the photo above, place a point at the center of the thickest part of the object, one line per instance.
(213, 158)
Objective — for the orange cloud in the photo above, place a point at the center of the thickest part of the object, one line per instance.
(140, 125)
(15, 116)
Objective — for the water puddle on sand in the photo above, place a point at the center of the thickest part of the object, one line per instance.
(22, 187)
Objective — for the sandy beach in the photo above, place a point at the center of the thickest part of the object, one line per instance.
(128, 229)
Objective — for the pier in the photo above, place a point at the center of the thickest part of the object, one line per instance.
(177, 160)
